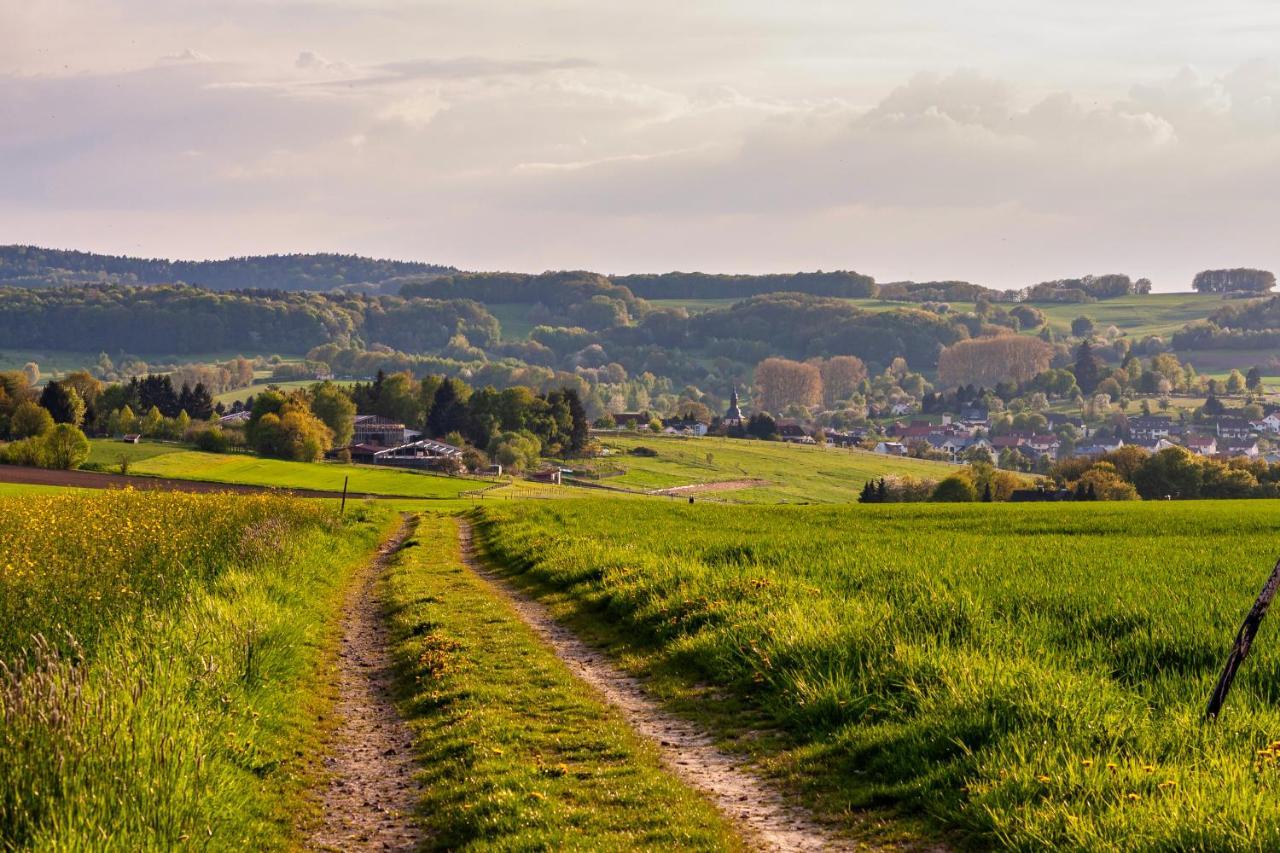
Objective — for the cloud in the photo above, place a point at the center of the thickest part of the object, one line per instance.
(564, 162)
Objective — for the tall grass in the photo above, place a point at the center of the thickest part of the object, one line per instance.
(160, 657)
(1029, 675)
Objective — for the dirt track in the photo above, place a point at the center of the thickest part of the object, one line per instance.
(373, 789)
(94, 480)
(753, 805)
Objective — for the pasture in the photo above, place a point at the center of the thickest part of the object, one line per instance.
(167, 460)
(1028, 676)
(786, 473)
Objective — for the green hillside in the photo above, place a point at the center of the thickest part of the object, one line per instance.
(760, 471)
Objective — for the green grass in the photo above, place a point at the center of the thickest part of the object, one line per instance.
(256, 471)
(1027, 676)
(792, 473)
(105, 453)
(1138, 316)
(261, 384)
(192, 710)
(20, 489)
(517, 753)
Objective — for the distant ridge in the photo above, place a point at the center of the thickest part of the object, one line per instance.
(33, 266)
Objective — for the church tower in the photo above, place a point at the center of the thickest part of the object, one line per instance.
(733, 417)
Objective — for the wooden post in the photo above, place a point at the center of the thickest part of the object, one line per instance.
(1244, 639)
(343, 509)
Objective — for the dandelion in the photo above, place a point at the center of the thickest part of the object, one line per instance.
(1042, 778)
(1088, 762)
(1132, 797)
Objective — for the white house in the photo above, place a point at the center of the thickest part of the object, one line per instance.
(891, 448)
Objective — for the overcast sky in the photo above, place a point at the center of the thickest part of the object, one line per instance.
(999, 141)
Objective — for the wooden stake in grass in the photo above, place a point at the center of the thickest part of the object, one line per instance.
(1244, 640)
(342, 510)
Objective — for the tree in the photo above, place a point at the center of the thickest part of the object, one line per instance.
(1082, 327)
(1253, 379)
(763, 426)
(1228, 281)
(841, 376)
(1028, 316)
(1105, 483)
(1173, 471)
(63, 403)
(29, 420)
(955, 488)
(989, 361)
(65, 447)
(1235, 382)
(1087, 369)
(336, 409)
(152, 423)
(448, 409)
(781, 382)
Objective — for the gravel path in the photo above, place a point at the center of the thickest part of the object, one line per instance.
(372, 790)
(758, 810)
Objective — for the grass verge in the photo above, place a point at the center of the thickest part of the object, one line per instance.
(195, 715)
(518, 754)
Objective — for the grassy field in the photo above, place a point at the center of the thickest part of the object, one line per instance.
(1027, 676)
(188, 706)
(513, 317)
(1154, 314)
(261, 384)
(167, 460)
(517, 753)
(790, 473)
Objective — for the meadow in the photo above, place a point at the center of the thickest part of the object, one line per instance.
(787, 473)
(168, 460)
(1027, 676)
(161, 657)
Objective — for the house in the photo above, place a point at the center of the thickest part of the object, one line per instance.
(956, 447)
(424, 453)
(1045, 445)
(901, 409)
(235, 418)
(631, 420)
(1247, 447)
(1151, 445)
(683, 426)
(1099, 448)
(793, 432)
(1201, 445)
(891, 448)
(1271, 423)
(1233, 428)
(1150, 427)
(132, 438)
(374, 429)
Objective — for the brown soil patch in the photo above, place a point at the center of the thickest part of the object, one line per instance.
(699, 488)
(373, 788)
(755, 807)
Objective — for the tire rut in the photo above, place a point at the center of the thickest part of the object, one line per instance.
(373, 787)
(761, 814)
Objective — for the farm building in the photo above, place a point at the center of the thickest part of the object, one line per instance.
(373, 429)
(424, 453)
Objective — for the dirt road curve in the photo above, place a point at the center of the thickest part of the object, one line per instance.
(95, 480)
(759, 812)
(373, 787)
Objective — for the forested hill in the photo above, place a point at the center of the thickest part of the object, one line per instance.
(32, 266)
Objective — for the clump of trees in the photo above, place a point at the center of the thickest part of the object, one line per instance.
(1129, 473)
(1234, 281)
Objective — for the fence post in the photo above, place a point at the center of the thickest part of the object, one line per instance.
(1244, 640)
(342, 510)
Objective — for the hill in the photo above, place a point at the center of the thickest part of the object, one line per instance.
(33, 266)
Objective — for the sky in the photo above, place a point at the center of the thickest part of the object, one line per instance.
(1003, 142)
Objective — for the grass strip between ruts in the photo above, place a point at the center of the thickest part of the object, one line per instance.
(518, 753)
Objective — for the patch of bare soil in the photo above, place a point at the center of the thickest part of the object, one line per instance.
(699, 488)
(373, 788)
(755, 807)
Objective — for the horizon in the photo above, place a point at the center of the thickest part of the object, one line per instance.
(392, 259)
(926, 143)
